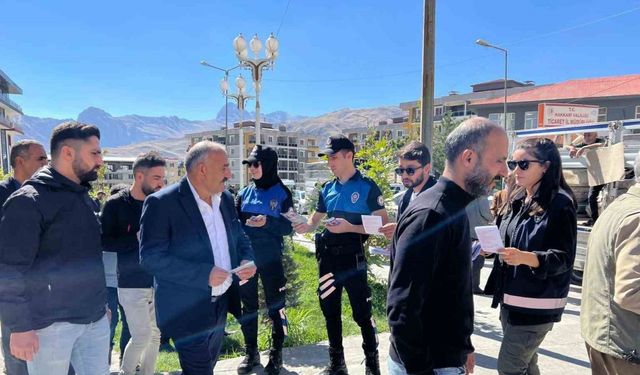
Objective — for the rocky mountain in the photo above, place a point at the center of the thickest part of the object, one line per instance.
(130, 135)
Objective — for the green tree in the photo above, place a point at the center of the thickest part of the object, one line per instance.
(3, 175)
(377, 160)
(440, 133)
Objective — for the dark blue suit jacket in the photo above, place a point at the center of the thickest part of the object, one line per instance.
(176, 250)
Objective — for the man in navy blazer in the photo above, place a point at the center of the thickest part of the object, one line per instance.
(190, 238)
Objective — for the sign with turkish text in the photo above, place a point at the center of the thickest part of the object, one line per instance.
(561, 114)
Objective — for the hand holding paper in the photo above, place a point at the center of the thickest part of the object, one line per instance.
(489, 237)
(372, 224)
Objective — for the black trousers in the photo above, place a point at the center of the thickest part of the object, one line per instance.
(594, 191)
(274, 283)
(348, 271)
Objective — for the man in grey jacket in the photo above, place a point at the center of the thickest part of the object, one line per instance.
(610, 313)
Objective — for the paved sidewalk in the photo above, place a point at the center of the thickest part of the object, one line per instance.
(562, 352)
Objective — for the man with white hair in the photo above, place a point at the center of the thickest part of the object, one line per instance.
(610, 312)
(191, 238)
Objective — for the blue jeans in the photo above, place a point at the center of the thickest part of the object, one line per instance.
(117, 312)
(85, 346)
(396, 368)
(13, 365)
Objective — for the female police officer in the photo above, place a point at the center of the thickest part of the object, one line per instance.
(259, 207)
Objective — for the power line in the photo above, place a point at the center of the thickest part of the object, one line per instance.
(282, 19)
(571, 28)
(440, 66)
(606, 89)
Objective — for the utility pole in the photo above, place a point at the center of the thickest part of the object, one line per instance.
(428, 63)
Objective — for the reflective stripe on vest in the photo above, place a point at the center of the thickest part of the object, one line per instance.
(534, 303)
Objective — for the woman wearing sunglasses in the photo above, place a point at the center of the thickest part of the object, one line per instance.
(260, 206)
(530, 278)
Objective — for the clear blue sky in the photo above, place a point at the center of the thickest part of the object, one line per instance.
(142, 56)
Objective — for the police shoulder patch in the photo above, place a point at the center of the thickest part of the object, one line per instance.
(354, 197)
(380, 200)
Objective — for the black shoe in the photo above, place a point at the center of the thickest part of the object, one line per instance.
(372, 364)
(251, 360)
(275, 362)
(336, 363)
(167, 348)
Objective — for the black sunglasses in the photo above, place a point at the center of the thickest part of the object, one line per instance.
(410, 171)
(522, 164)
(254, 164)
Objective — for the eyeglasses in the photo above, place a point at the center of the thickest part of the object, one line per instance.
(254, 164)
(410, 171)
(522, 164)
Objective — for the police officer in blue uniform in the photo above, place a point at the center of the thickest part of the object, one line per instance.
(259, 207)
(340, 250)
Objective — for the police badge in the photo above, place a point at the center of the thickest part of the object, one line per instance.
(354, 197)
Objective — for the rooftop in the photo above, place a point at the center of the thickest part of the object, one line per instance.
(627, 85)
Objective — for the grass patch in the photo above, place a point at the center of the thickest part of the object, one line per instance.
(306, 323)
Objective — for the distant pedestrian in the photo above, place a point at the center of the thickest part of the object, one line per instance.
(26, 157)
(120, 232)
(430, 301)
(52, 283)
(610, 311)
(414, 166)
(260, 207)
(530, 278)
(578, 148)
(479, 213)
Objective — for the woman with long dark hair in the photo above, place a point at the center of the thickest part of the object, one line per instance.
(530, 279)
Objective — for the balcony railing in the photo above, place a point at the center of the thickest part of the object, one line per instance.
(9, 124)
(4, 97)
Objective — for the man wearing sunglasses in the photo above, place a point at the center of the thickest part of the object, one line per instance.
(414, 165)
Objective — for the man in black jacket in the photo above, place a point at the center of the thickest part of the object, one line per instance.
(26, 157)
(414, 165)
(52, 282)
(430, 303)
(120, 227)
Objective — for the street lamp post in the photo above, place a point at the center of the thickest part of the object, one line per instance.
(256, 65)
(240, 97)
(484, 43)
(224, 86)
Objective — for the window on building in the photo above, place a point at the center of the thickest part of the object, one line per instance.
(638, 111)
(363, 136)
(511, 119)
(602, 114)
(438, 111)
(400, 134)
(531, 120)
(416, 114)
(232, 152)
(232, 138)
(270, 140)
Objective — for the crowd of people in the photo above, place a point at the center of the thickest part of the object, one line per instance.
(190, 253)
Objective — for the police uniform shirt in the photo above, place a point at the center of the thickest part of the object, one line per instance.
(357, 196)
(270, 202)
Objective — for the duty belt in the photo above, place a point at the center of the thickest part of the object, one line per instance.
(343, 249)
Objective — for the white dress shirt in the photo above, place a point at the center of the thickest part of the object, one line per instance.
(217, 233)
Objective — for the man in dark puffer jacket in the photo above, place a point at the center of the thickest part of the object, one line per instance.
(52, 282)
